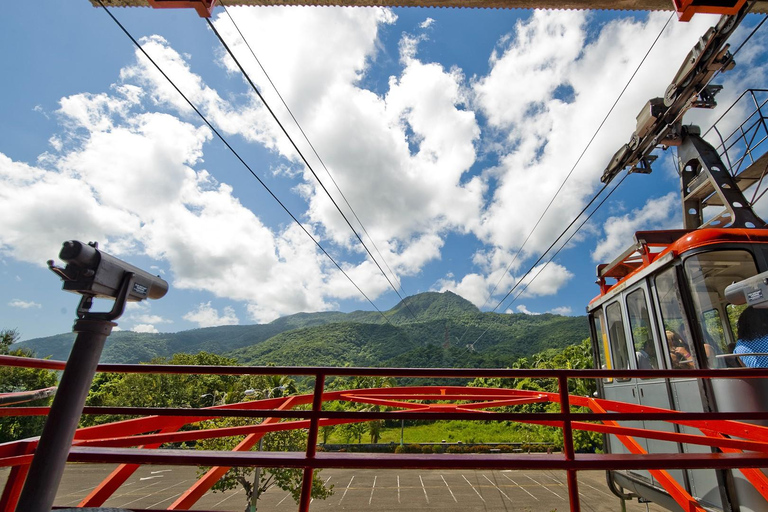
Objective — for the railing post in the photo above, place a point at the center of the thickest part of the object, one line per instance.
(565, 409)
(314, 423)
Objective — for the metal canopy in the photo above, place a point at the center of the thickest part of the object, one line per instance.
(652, 5)
(760, 6)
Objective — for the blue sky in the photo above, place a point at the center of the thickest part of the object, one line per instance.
(448, 131)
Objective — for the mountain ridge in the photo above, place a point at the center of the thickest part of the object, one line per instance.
(421, 330)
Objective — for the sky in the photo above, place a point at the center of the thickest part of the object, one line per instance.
(447, 132)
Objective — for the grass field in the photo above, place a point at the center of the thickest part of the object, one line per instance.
(454, 431)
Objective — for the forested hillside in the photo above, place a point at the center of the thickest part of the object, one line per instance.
(426, 330)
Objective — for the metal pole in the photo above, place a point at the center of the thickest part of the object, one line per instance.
(565, 408)
(256, 494)
(53, 448)
(314, 422)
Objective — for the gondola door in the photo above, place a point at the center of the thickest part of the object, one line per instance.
(652, 392)
(622, 390)
(680, 353)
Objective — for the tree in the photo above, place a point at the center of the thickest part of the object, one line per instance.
(165, 390)
(256, 481)
(571, 357)
(356, 430)
(351, 431)
(21, 379)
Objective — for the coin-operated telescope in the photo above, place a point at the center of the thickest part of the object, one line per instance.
(91, 273)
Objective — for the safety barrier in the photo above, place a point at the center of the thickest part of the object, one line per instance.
(137, 441)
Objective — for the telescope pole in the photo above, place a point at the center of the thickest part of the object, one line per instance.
(53, 448)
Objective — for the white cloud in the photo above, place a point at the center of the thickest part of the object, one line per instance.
(522, 309)
(23, 304)
(129, 176)
(564, 311)
(151, 319)
(544, 279)
(207, 316)
(405, 172)
(427, 23)
(473, 287)
(657, 213)
(545, 94)
(147, 328)
(544, 97)
(130, 162)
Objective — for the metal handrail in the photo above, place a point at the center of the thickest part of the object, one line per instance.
(748, 136)
(19, 453)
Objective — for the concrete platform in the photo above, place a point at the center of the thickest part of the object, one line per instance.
(156, 487)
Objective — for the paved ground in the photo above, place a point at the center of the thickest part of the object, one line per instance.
(156, 487)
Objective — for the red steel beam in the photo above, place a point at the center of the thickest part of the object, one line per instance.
(306, 484)
(685, 8)
(581, 462)
(109, 485)
(756, 477)
(725, 373)
(675, 489)
(16, 477)
(478, 398)
(204, 484)
(565, 408)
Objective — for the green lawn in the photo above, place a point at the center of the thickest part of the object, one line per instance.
(454, 431)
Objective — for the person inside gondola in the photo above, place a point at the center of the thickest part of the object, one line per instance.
(643, 357)
(679, 352)
(752, 337)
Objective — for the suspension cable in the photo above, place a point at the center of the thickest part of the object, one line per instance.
(306, 138)
(757, 27)
(584, 151)
(562, 234)
(578, 160)
(555, 254)
(306, 162)
(237, 155)
(569, 239)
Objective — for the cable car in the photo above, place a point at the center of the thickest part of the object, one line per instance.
(674, 298)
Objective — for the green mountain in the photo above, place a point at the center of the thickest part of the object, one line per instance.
(425, 330)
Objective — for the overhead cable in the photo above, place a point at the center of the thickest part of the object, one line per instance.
(609, 194)
(306, 138)
(306, 162)
(578, 160)
(237, 155)
(556, 252)
(569, 239)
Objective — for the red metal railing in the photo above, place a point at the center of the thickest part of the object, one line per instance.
(137, 441)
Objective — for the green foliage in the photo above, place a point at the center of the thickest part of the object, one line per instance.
(166, 390)
(572, 357)
(335, 344)
(429, 306)
(140, 390)
(14, 379)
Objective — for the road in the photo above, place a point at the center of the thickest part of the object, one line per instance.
(156, 487)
